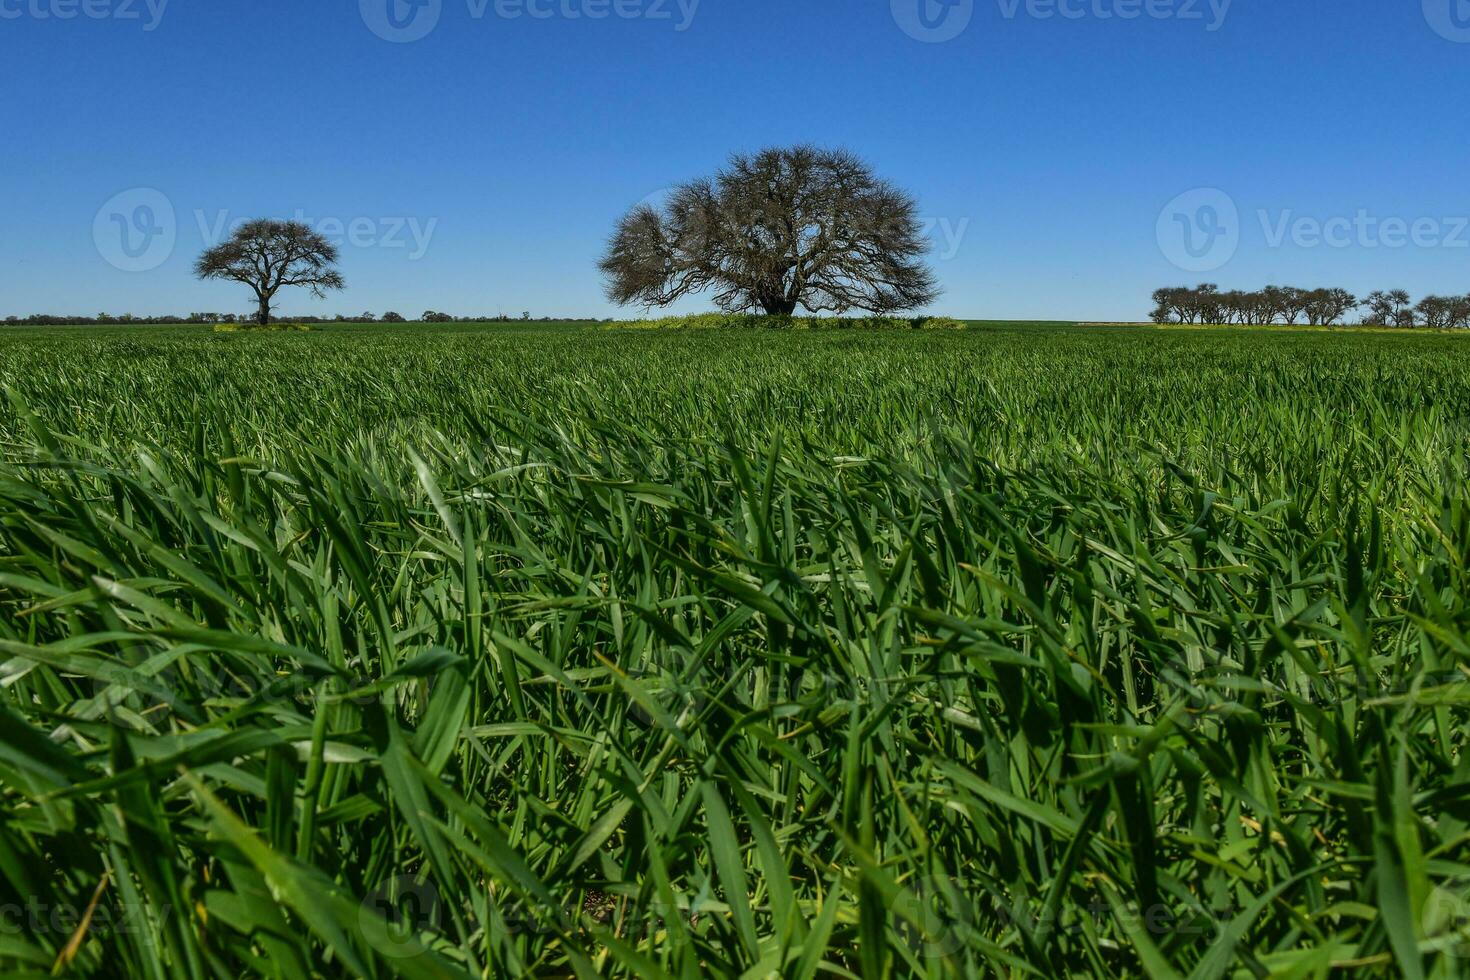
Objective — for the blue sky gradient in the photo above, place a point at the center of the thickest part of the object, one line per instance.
(1046, 149)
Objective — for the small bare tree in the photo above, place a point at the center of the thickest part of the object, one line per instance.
(782, 229)
(1324, 307)
(1388, 308)
(268, 255)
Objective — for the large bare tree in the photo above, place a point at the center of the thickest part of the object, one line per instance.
(269, 255)
(774, 231)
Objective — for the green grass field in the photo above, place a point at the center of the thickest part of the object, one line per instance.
(496, 650)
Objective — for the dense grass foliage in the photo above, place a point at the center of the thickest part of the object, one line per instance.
(481, 651)
(275, 326)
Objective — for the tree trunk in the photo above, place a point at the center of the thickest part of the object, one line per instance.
(264, 316)
(779, 307)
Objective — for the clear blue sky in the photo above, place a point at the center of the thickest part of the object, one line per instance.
(1049, 145)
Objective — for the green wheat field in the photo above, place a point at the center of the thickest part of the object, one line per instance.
(486, 650)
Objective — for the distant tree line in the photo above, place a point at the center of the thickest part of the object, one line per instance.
(50, 320)
(1288, 305)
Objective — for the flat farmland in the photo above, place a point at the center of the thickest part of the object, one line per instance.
(483, 649)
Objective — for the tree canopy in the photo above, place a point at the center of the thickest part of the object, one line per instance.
(774, 231)
(269, 255)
